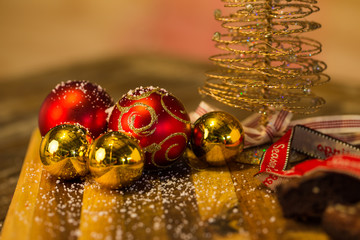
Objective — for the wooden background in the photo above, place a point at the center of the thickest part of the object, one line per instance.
(175, 204)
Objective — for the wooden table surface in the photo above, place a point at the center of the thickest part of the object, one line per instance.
(21, 98)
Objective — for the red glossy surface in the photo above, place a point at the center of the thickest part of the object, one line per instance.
(79, 102)
(158, 120)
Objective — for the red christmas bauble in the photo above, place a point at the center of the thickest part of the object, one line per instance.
(158, 120)
(76, 102)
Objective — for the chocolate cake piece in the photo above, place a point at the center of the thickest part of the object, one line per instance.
(342, 221)
(306, 198)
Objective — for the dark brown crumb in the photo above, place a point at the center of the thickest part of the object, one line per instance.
(306, 198)
(342, 221)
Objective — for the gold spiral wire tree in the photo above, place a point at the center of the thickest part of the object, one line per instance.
(265, 65)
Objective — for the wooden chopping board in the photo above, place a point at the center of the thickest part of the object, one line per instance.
(176, 203)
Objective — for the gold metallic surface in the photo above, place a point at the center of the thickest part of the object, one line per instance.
(194, 162)
(216, 138)
(63, 151)
(265, 65)
(115, 160)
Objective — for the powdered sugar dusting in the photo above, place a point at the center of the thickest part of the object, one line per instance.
(159, 204)
(142, 90)
(179, 202)
(90, 90)
(57, 206)
(133, 212)
(108, 112)
(76, 102)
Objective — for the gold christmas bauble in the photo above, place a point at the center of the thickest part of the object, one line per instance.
(216, 138)
(63, 151)
(115, 160)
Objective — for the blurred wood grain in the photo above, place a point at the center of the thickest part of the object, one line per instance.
(178, 203)
(218, 204)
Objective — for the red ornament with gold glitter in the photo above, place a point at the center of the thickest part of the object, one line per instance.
(157, 119)
(78, 102)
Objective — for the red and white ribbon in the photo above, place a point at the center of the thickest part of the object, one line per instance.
(202, 109)
(257, 134)
(343, 127)
(340, 156)
(345, 164)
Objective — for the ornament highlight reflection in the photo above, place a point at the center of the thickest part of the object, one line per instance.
(216, 138)
(115, 160)
(63, 151)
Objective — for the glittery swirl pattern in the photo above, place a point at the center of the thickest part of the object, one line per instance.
(154, 148)
(157, 120)
(183, 112)
(142, 131)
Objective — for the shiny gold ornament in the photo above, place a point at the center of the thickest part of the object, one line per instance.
(115, 160)
(63, 151)
(216, 138)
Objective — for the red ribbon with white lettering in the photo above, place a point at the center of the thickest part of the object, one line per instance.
(339, 155)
